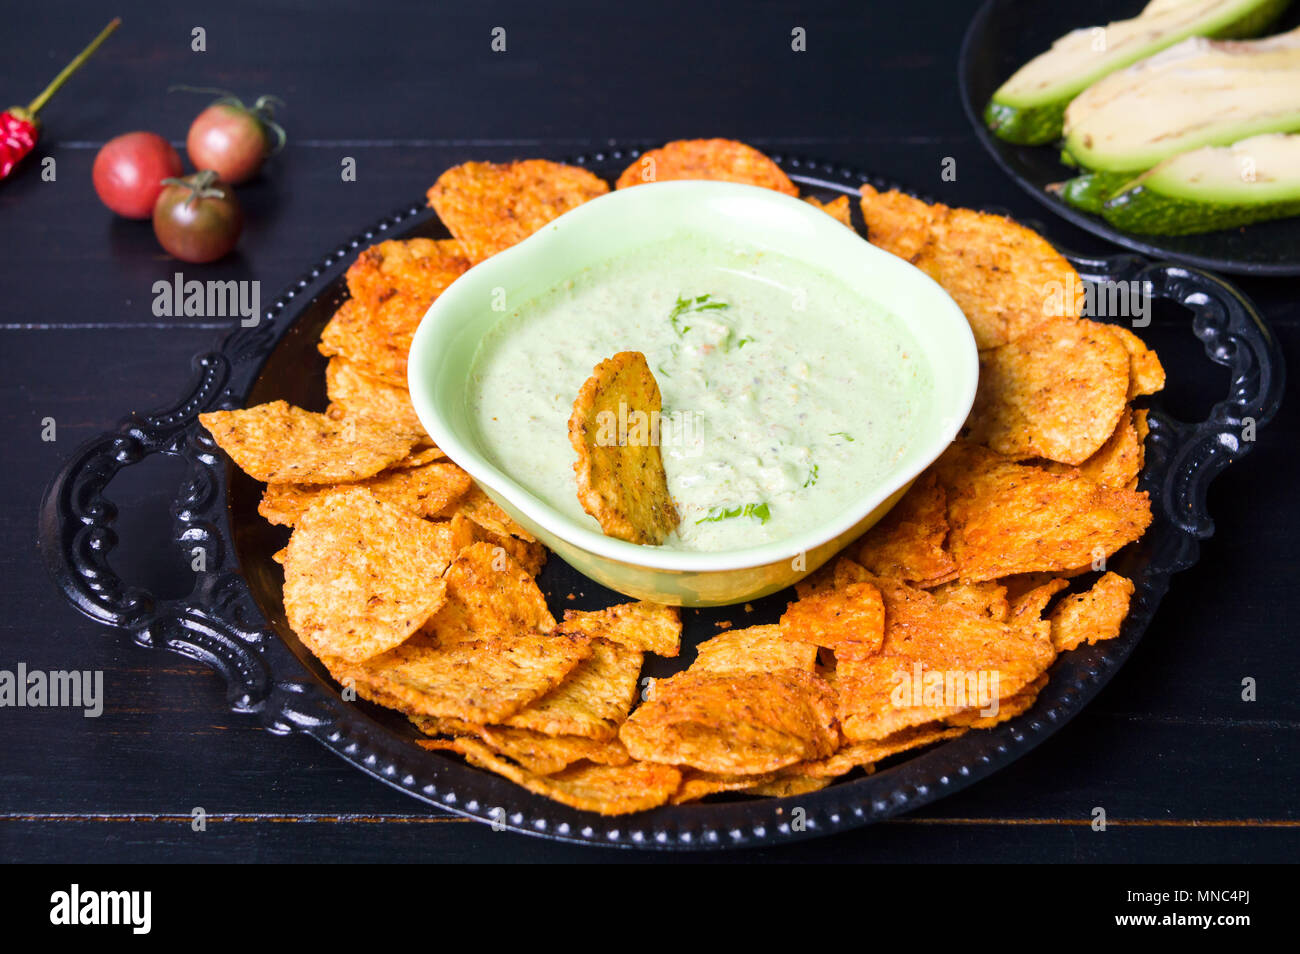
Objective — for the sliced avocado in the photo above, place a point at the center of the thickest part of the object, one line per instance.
(1028, 109)
(1216, 187)
(1198, 93)
(1090, 191)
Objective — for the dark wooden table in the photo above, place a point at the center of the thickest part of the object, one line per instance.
(1185, 769)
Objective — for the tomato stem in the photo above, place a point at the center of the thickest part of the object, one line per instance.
(35, 105)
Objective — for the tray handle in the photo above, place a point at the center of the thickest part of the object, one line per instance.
(77, 538)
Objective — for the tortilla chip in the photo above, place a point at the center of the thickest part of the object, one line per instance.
(491, 207)
(1007, 709)
(723, 160)
(789, 786)
(419, 267)
(867, 754)
(537, 753)
(1005, 278)
(420, 457)
(425, 491)
(593, 701)
(648, 627)
(361, 576)
(477, 680)
(753, 649)
(734, 723)
(1009, 518)
(623, 486)
(279, 443)
(1118, 462)
(696, 785)
(488, 595)
(851, 619)
(607, 789)
(837, 209)
(832, 575)
(1146, 373)
(479, 507)
(938, 659)
(279, 555)
(908, 542)
(376, 338)
(983, 599)
(1092, 616)
(357, 394)
(1056, 393)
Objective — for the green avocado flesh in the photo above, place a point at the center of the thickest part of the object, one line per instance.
(1028, 109)
(1213, 188)
(1198, 93)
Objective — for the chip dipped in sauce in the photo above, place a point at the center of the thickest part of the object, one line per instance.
(786, 395)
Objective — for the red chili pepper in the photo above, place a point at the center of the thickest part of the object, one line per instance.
(19, 127)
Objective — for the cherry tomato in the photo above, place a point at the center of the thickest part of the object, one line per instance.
(197, 218)
(233, 140)
(129, 171)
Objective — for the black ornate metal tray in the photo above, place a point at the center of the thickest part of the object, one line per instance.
(233, 619)
(1002, 37)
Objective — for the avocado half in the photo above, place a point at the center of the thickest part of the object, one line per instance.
(1212, 188)
(1029, 108)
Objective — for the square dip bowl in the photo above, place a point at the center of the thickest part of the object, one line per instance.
(445, 345)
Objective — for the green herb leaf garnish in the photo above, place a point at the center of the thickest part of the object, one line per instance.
(686, 306)
(844, 434)
(758, 511)
(812, 477)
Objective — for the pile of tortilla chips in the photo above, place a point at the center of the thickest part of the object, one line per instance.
(417, 591)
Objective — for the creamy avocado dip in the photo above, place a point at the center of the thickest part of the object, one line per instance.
(786, 395)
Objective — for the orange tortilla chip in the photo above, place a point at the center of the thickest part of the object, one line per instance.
(376, 338)
(648, 627)
(1147, 374)
(491, 207)
(696, 785)
(360, 576)
(1007, 708)
(477, 680)
(279, 443)
(734, 723)
(850, 619)
(623, 486)
(488, 595)
(983, 599)
(753, 649)
(723, 160)
(1119, 461)
(837, 209)
(357, 394)
(607, 789)
(938, 659)
(1092, 616)
(478, 506)
(537, 753)
(1005, 278)
(593, 701)
(867, 754)
(419, 267)
(908, 542)
(1009, 518)
(425, 491)
(1056, 393)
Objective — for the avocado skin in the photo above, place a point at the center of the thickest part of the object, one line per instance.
(1043, 123)
(1146, 211)
(1090, 191)
(1026, 125)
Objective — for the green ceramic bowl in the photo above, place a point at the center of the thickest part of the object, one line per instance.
(617, 224)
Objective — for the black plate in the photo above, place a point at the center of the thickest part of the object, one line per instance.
(233, 620)
(1006, 34)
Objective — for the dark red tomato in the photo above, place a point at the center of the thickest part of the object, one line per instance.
(129, 171)
(233, 140)
(197, 218)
